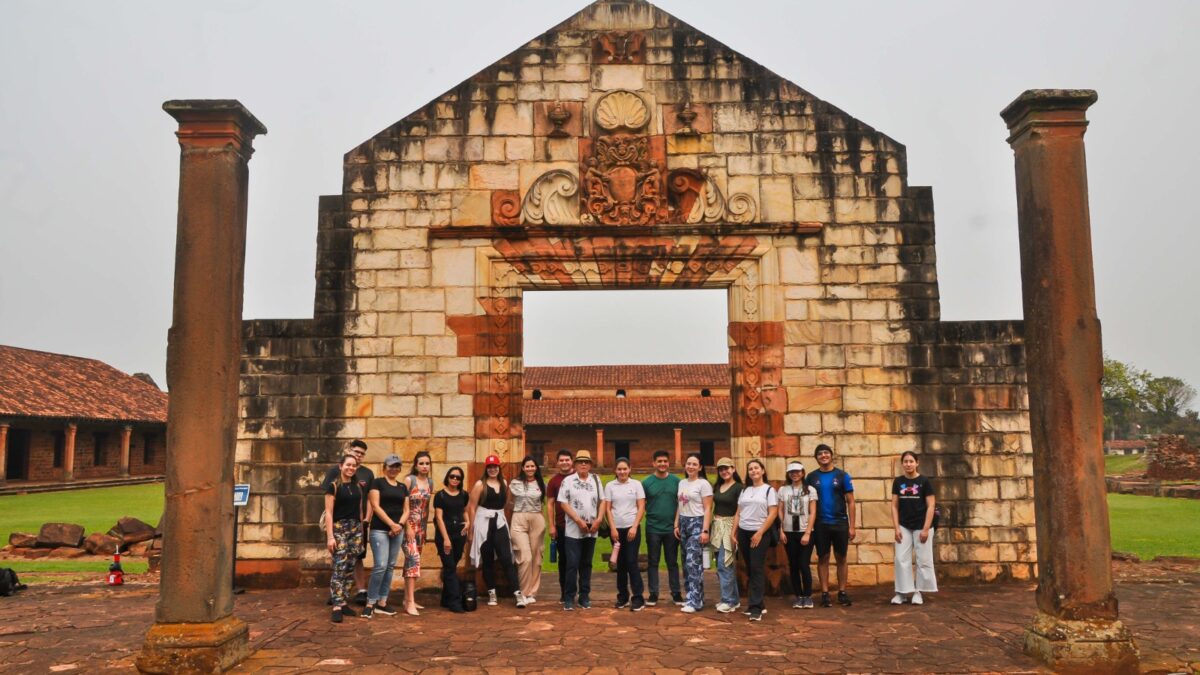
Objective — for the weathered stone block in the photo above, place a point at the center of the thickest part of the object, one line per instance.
(55, 535)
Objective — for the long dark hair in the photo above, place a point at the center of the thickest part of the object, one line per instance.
(733, 477)
(462, 478)
(701, 475)
(537, 475)
(412, 471)
(749, 482)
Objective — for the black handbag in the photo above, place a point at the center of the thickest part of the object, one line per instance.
(470, 597)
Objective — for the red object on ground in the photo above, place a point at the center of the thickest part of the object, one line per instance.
(116, 575)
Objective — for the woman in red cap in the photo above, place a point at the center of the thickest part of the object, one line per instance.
(488, 531)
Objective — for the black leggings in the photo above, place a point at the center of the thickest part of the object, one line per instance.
(498, 547)
(451, 586)
(799, 563)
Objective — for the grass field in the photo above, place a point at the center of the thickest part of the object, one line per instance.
(59, 571)
(1115, 465)
(1154, 526)
(96, 510)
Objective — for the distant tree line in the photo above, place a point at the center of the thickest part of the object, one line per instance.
(1138, 403)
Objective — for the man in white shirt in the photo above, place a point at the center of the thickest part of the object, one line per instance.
(579, 499)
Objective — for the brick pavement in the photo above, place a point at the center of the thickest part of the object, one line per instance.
(970, 628)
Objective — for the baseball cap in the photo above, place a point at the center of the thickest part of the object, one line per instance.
(392, 460)
(492, 460)
(724, 461)
(795, 466)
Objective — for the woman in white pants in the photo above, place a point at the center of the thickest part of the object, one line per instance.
(913, 515)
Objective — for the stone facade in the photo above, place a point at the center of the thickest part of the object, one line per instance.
(625, 149)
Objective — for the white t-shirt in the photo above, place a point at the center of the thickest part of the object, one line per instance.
(623, 498)
(691, 495)
(584, 496)
(753, 505)
(796, 502)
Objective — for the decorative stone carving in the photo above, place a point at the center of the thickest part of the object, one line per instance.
(695, 198)
(686, 117)
(622, 182)
(622, 110)
(551, 199)
(619, 47)
(558, 116)
(506, 207)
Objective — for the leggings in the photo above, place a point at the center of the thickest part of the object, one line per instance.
(799, 563)
(451, 587)
(498, 547)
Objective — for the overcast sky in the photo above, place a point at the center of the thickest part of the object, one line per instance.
(89, 163)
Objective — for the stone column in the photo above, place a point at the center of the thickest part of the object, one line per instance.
(126, 432)
(599, 448)
(3, 452)
(194, 628)
(1076, 628)
(678, 447)
(69, 453)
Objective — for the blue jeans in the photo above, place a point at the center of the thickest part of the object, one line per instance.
(693, 559)
(578, 559)
(667, 544)
(727, 576)
(383, 548)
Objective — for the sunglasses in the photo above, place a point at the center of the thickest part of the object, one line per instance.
(455, 476)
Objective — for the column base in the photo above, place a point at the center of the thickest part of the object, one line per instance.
(194, 647)
(1081, 646)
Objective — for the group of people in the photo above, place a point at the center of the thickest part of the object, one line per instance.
(502, 524)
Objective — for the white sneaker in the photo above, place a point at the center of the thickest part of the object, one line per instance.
(688, 609)
(897, 599)
(520, 600)
(529, 600)
(492, 598)
(917, 599)
(722, 607)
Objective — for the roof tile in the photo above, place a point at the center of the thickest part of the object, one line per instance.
(668, 375)
(571, 411)
(41, 384)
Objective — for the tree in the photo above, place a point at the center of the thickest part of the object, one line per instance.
(1166, 398)
(1123, 391)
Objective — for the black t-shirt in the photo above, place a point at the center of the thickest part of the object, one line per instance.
(391, 500)
(363, 476)
(492, 499)
(911, 504)
(453, 509)
(347, 500)
(725, 503)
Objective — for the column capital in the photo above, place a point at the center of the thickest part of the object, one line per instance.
(1063, 108)
(207, 124)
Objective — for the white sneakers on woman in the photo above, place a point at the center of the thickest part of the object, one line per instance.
(899, 599)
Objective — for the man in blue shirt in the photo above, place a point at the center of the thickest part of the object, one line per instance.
(834, 528)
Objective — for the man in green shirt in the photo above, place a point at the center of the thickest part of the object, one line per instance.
(662, 498)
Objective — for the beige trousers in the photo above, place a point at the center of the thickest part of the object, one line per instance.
(528, 530)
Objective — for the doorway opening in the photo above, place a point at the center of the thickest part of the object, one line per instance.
(16, 458)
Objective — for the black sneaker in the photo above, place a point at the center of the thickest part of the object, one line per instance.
(457, 609)
(585, 604)
(361, 598)
(346, 611)
(756, 614)
(368, 611)
(844, 599)
(652, 600)
(825, 601)
(385, 609)
(621, 604)
(637, 605)
(336, 616)
(329, 601)
(677, 598)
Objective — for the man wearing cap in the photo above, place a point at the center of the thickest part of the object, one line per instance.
(579, 499)
(662, 500)
(558, 519)
(364, 477)
(835, 521)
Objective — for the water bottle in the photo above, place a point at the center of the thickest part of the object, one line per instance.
(553, 551)
(612, 559)
(707, 557)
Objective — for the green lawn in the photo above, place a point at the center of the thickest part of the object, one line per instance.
(1154, 526)
(96, 510)
(1115, 465)
(59, 571)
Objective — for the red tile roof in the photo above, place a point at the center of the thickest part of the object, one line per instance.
(669, 375)
(41, 384)
(572, 411)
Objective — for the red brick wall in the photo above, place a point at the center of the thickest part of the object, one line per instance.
(41, 453)
(645, 439)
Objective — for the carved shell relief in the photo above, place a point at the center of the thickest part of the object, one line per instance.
(622, 110)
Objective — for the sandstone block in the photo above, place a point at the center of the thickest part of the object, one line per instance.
(801, 423)
(777, 204)
(609, 77)
(473, 207)
(428, 323)
(798, 266)
(101, 544)
(67, 552)
(493, 177)
(22, 540)
(56, 535)
(454, 267)
(814, 399)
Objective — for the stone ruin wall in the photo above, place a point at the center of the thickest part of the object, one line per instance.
(835, 337)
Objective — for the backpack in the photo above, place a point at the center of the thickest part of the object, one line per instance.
(9, 584)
